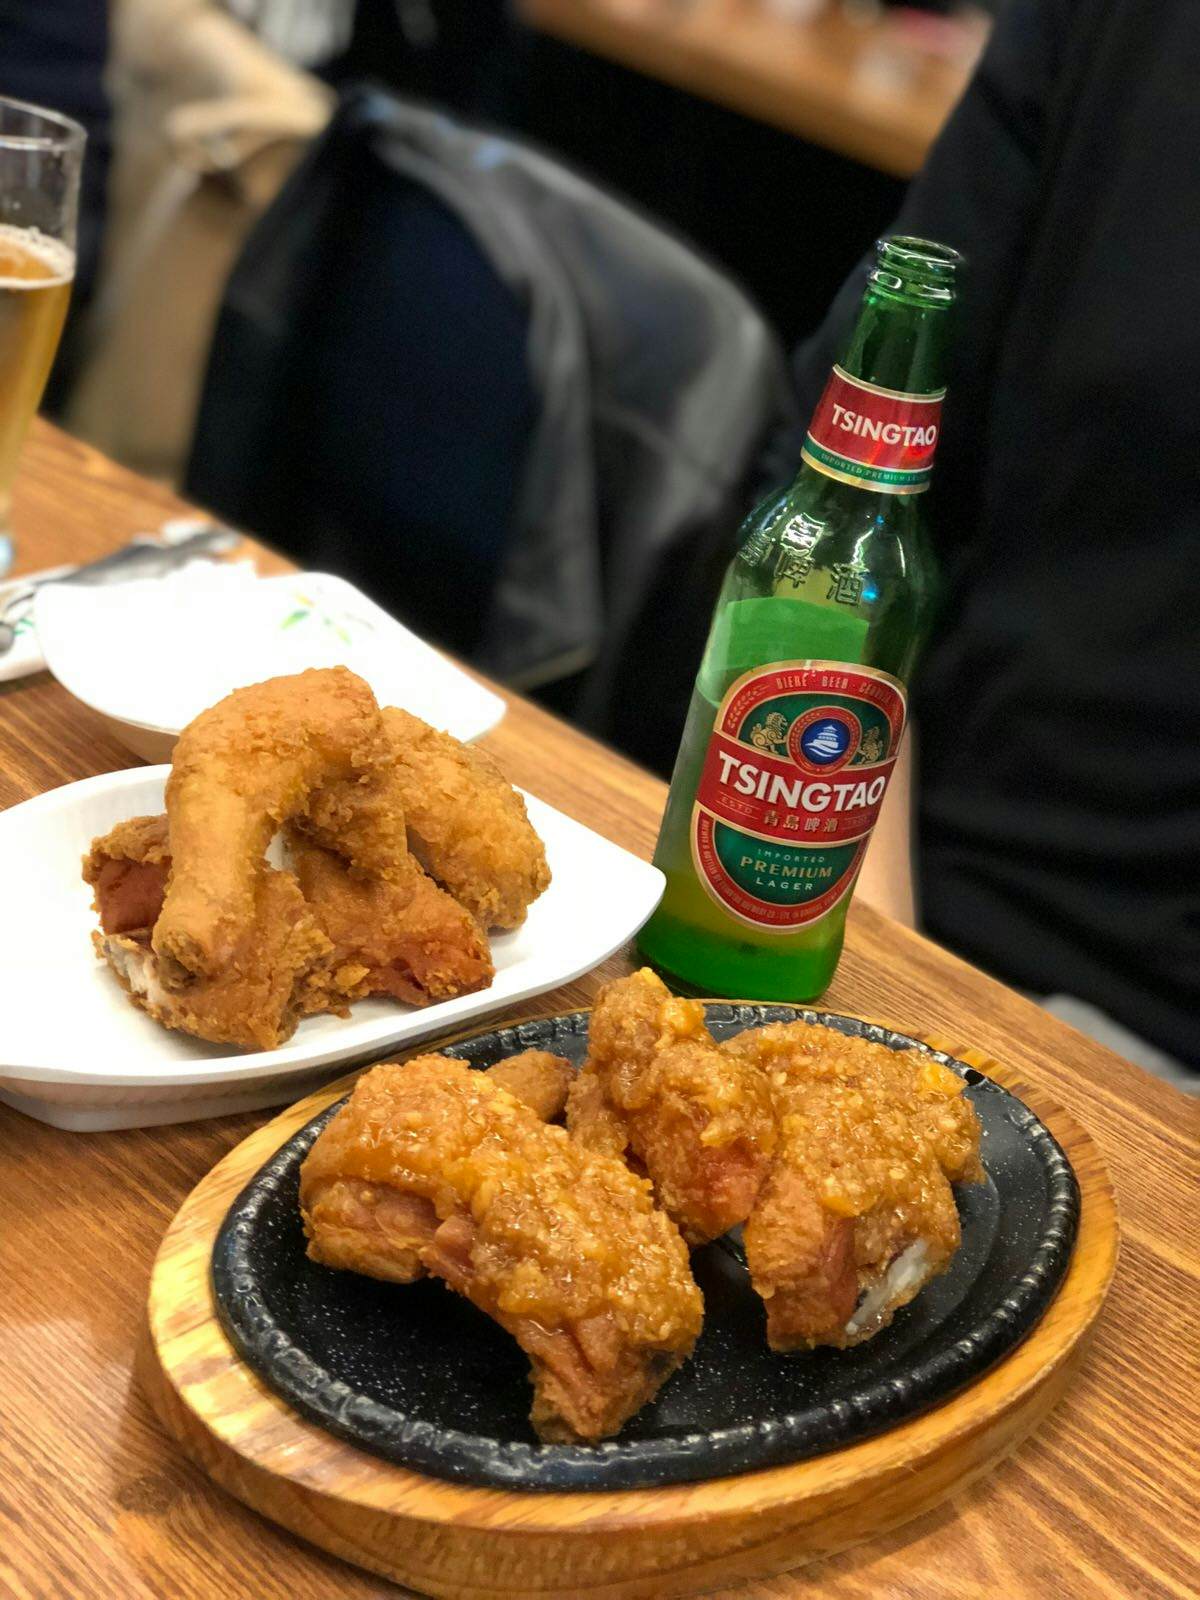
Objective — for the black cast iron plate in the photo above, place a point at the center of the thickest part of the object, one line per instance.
(415, 1374)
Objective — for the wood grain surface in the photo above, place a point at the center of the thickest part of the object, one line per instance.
(463, 1543)
(848, 87)
(96, 1500)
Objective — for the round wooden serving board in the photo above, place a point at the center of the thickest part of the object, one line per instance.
(467, 1543)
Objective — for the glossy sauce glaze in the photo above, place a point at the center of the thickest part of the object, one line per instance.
(871, 1128)
(858, 1213)
(559, 1234)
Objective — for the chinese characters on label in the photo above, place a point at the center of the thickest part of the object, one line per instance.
(795, 773)
(799, 545)
(846, 581)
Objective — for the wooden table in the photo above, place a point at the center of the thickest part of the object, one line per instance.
(96, 1502)
(858, 90)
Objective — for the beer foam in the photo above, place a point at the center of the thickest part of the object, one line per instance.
(57, 258)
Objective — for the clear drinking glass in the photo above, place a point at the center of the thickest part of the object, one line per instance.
(41, 154)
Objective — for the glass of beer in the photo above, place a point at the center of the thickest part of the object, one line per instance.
(41, 154)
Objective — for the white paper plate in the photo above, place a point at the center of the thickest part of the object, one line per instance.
(150, 654)
(75, 1052)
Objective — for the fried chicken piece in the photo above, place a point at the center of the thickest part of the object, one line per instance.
(384, 1230)
(433, 1165)
(409, 939)
(467, 825)
(363, 822)
(699, 1123)
(257, 998)
(259, 757)
(538, 1078)
(801, 1261)
(127, 869)
(595, 1122)
(858, 1213)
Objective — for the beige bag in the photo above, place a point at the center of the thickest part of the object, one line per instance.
(208, 123)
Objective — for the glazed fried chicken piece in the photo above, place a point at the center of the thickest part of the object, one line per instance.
(858, 1213)
(257, 998)
(434, 1166)
(262, 756)
(700, 1124)
(595, 1121)
(381, 1232)
(538, 1078)
(467, 825)
(409, 939)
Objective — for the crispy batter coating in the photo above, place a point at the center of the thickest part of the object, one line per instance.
(362, 821)
(467, 825)
(699, 1123)
(190, 908)
(127, 869)
(257, 998)
(409, 940)
(384, 1231)
(434, 1165)
(538, 1078)
(595, 1122)
(256, 759)
(858, 1213)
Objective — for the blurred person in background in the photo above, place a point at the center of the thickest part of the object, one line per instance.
(451, 51)
(461, 53)
(1055, 803)
(209, 120)
(54, 53)
(214, 102)
(306, 33)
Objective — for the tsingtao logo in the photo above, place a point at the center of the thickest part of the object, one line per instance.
(824, 739)
(826, 742)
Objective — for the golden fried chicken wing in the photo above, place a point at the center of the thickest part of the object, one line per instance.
(801, 1261)
(259, 757)
(858, 1213)
(699, 1123)
(595, 1122)
(434, 1166)
(467, 825)
(538, 1078)
(409, 939)
(383, 1231)
(258, 996)
(127, 869)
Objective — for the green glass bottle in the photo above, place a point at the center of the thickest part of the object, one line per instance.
(799, 705)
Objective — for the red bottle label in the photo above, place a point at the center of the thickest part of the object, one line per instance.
(877, 438)
(797, 767)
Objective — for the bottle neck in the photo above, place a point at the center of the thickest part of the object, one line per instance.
(898, 343)
(877, 423)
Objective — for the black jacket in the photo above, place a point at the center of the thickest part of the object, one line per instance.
(1057, 708)
(520, 414)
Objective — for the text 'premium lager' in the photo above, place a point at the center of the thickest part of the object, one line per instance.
(799, 706)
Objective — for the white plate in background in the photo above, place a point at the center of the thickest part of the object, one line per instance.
(150, 654)
(75, 1052)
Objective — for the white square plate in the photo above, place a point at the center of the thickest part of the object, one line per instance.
(75, 1052)
(149, 655)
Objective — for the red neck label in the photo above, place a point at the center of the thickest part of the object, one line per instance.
(878, 439)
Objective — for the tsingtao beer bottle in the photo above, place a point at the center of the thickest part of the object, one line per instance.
(799, 706)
